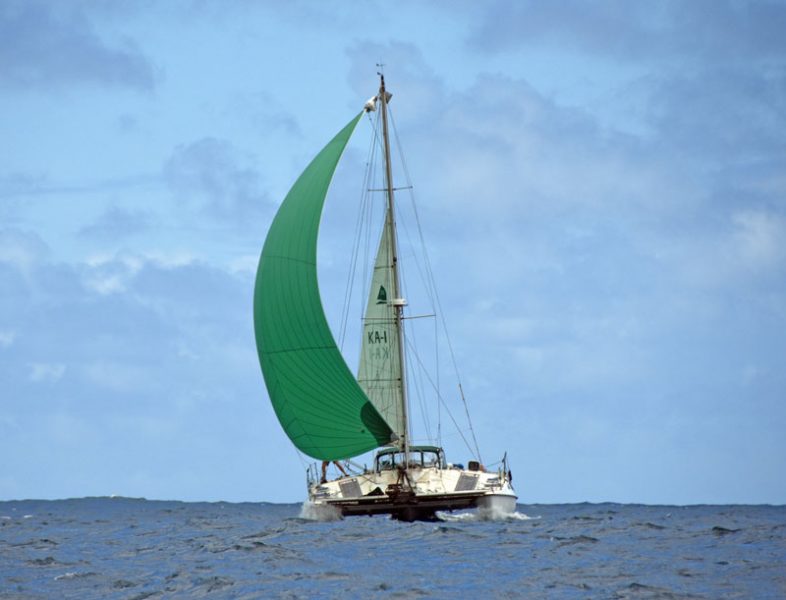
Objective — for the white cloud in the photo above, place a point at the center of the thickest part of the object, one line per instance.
(21, 249)
(46, 372)
(244, 265)
(171, 260)
(118, 377)
(108, 274)
(106, 285)
(7, 338)
(760, 238)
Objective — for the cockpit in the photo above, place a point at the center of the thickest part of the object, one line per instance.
(419, 457)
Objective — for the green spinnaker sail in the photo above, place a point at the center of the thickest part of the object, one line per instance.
(319, 403)
(379, 373)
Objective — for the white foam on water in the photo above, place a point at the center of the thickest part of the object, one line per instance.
(73, 575)
(497, 514)
(489, 514)
(319, 512)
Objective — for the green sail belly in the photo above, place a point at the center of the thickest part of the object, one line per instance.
(319, 403)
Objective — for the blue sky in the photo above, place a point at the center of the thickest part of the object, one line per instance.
(602, 186)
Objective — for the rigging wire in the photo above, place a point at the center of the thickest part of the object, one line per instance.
(303, 463)
(428, 283)
(364, 197)
(431, 278)
(447, 409)
(415, 375)
(414, 379)
(436, 362)
(362, 238)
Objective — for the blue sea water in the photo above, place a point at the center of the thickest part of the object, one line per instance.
(134, 549)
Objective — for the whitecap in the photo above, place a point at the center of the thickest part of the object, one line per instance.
(484, 515)
(74, 575)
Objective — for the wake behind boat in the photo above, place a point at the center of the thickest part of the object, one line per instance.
(326, 411)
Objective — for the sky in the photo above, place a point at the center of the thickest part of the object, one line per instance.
(602, 188)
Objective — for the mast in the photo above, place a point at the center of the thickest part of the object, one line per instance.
(398, 302)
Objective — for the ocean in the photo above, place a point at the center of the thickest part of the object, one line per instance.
(134, 549)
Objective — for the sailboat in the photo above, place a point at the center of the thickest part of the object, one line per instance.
(326, 411)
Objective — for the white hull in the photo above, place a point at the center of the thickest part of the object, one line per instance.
(418, 495)
(497, 504)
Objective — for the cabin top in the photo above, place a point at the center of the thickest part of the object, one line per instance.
(419, 457)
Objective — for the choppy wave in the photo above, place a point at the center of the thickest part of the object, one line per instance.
(128, 548)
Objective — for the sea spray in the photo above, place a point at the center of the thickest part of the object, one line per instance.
(319, 512)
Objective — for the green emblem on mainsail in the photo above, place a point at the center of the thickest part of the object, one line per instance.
(320, 405)
(382, 296)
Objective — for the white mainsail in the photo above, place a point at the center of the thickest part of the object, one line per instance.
(379, 373)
